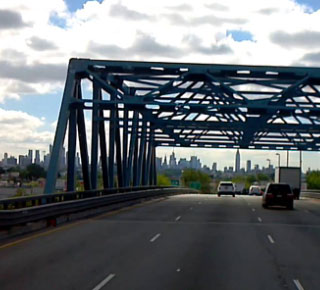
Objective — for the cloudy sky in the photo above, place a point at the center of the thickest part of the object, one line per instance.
(38, 38)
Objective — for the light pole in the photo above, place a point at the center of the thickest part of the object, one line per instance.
(269, 162)
(278, 159)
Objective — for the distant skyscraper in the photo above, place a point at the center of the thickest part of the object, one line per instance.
(183, 163)
(158, 162)
(214, 167)
(37, 158)
(30, 156)
(173, 161)
(237, 167)
(5, 159)
(62, 158)
(248, 165)
(165, 164)
(78, 160)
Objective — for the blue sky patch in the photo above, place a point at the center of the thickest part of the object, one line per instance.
(74, 5)
(57, 21)
(314, 4)
(240, 35)
(46, 105)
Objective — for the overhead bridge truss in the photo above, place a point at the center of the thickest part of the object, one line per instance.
(134, 107)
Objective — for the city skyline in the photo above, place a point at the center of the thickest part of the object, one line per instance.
(261, 159)
(49, 33)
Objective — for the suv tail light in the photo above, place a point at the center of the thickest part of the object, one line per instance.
(270, 195)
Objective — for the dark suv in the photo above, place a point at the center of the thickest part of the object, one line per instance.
(278, 194)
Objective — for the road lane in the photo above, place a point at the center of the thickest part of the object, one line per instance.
(220, 244)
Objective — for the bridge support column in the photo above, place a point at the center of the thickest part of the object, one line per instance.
(94, 137)
(132, 149)
(118, 151)
(60, 131)
(112, 132)
(125, 167)
(72, 142)
(141, 156)
(83, 143)
(103, 150)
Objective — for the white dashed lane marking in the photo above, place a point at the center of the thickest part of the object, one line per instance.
(104, 282)
(154, 238)
(298, 284)
(271, 239)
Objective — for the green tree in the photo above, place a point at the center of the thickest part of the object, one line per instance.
(33, 171)
(191, 175)
(2, 170)
(163, 180)
(263, 177)
(313, 180)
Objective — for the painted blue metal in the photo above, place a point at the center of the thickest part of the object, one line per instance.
(112, 135)
(72, 139)
(95, 132)
(188, 105)
(103, 151)
(60, 131)
(125, 131)
(118, 153)
(132, 146)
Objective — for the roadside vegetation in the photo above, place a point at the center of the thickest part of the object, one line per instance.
(313, 179)
(163, 180)
(192, 178)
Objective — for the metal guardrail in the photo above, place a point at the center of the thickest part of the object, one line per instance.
(41, 199)
(313, 193)
(12, 217)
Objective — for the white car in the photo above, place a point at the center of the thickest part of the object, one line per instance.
(255, 190)
(226, 187)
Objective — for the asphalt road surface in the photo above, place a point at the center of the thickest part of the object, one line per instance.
(180, 242)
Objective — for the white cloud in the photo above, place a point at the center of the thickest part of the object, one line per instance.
(19, 131)
(34, 52)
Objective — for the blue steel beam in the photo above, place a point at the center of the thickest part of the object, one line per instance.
(60, 130)
(118, 151)
(132, 149)
(222, 106)
(94, 138)
(72, 142)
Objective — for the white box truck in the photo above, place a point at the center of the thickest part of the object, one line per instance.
(290, 175)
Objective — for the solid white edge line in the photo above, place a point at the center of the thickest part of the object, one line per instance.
(178, 218)
(260, 219)
(298, 284)
(154, 238)
(104, 282)
(271, 239)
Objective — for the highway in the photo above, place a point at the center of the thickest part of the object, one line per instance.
(179, 242)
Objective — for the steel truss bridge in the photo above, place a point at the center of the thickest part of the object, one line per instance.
(135, 107)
